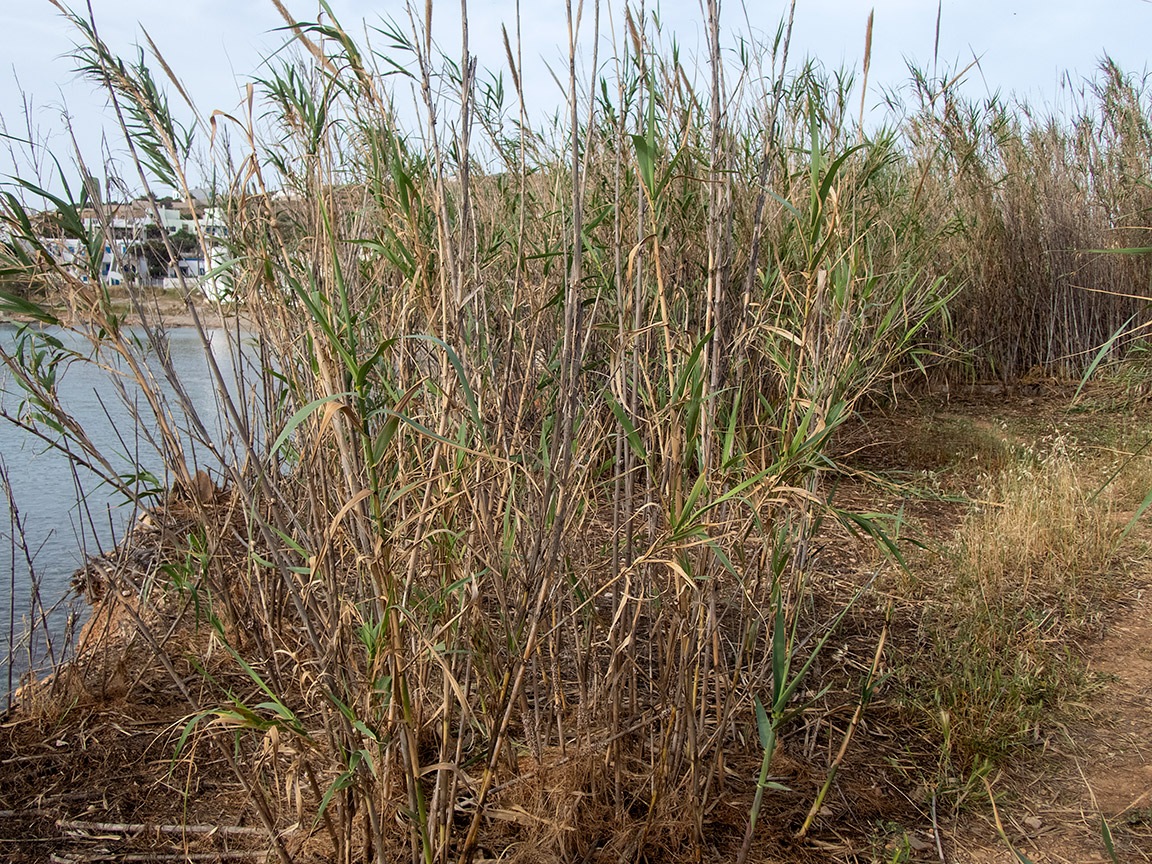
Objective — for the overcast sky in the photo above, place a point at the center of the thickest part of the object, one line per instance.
(1024, 46)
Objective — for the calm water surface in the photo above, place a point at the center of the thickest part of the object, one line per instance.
(57, 530)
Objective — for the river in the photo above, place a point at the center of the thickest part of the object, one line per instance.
(48, 527)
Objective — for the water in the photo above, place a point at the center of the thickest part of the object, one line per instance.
(57, 531)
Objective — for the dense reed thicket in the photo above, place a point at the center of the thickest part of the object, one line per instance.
(527, 541)
(1026, 210)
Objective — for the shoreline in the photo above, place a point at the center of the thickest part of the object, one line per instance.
(168, 315)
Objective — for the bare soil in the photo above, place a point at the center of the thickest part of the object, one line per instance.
(167, 307)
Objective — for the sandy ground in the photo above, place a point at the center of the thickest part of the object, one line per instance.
(168, 308)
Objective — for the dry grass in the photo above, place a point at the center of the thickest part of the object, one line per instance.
(1043, 534)
(1028, 577)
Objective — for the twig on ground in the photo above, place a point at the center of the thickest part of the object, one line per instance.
(143, 828)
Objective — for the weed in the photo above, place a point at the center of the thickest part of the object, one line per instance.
(1028, 568)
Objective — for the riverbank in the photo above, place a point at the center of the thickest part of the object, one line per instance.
(165, 307)
(112, 417)
(128, 751)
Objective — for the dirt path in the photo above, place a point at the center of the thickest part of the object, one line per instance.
(1098, 767)
(1051, 809)
(1121, 775)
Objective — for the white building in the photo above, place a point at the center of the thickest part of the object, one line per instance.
(134, 233)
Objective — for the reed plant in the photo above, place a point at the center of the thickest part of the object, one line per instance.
(525, 485)
(1026, 206)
